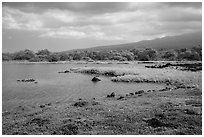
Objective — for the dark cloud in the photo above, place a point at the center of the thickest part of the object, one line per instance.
(80, 7)
(184, 4)
(180, 16)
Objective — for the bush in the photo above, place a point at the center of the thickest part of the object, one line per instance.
(24, 55)
(53, 58)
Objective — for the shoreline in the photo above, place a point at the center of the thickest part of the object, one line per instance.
(99, 62)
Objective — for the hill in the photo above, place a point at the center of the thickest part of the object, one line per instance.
(169, 42)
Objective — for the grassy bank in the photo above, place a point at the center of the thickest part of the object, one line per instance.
(157, 112)
(140, 74)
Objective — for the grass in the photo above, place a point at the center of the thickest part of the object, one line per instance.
(166, 112)
(139, 74)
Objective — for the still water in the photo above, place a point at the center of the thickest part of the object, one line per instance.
(53, 86)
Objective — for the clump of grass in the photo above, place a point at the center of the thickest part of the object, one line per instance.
(140, 74)
(143, 78)
(99, 71)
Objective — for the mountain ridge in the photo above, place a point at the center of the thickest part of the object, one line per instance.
(187, 40)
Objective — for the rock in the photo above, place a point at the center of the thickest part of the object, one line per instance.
(26, 80)
(139, 92)
(35, 82)
(154, 122)
(112, 95)
(168, 88)
(131, 94)
(96, 79)
(66, 71)
(121, 97)
(48, 104)
(80, 104)
(42, 106)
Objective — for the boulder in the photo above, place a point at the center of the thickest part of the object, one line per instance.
(66, 71)
(112, 95)
(121, 97)
(131, 94)
(139, 92)
(96, 79)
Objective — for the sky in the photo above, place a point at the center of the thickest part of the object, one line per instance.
(61, 26)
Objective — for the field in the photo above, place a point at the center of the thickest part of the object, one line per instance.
(174, 110)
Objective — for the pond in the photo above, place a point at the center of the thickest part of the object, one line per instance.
(61, 87)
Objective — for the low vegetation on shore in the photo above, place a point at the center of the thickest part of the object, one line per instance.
(148, 54)
(167, 112)
(140, 75)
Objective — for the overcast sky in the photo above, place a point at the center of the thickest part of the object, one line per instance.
(65, 26)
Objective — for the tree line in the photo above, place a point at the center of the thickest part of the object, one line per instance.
(148, 54)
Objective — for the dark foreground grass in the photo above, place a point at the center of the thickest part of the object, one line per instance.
(167, 112)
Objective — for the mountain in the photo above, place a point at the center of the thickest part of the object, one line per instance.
(169, 42)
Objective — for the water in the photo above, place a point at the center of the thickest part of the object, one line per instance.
(53, 86)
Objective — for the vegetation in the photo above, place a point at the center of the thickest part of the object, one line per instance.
(157, 112)
(141, 75)
(149, 54)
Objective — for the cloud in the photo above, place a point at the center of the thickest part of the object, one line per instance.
(80, 7)
(103, 21)
(184, 4)
(80, 33)
(16, 19)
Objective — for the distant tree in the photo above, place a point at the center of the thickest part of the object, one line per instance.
(152, 54)
(142, 56)
(76, 55)
(128, 55)
(183, 49)
(119, 58)
(53, 58)
(169, 55)
(24, 55)
(35, 59)
(43, 52)
(7, 56)
(189, 55)
(63, 56)
(198, 49)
